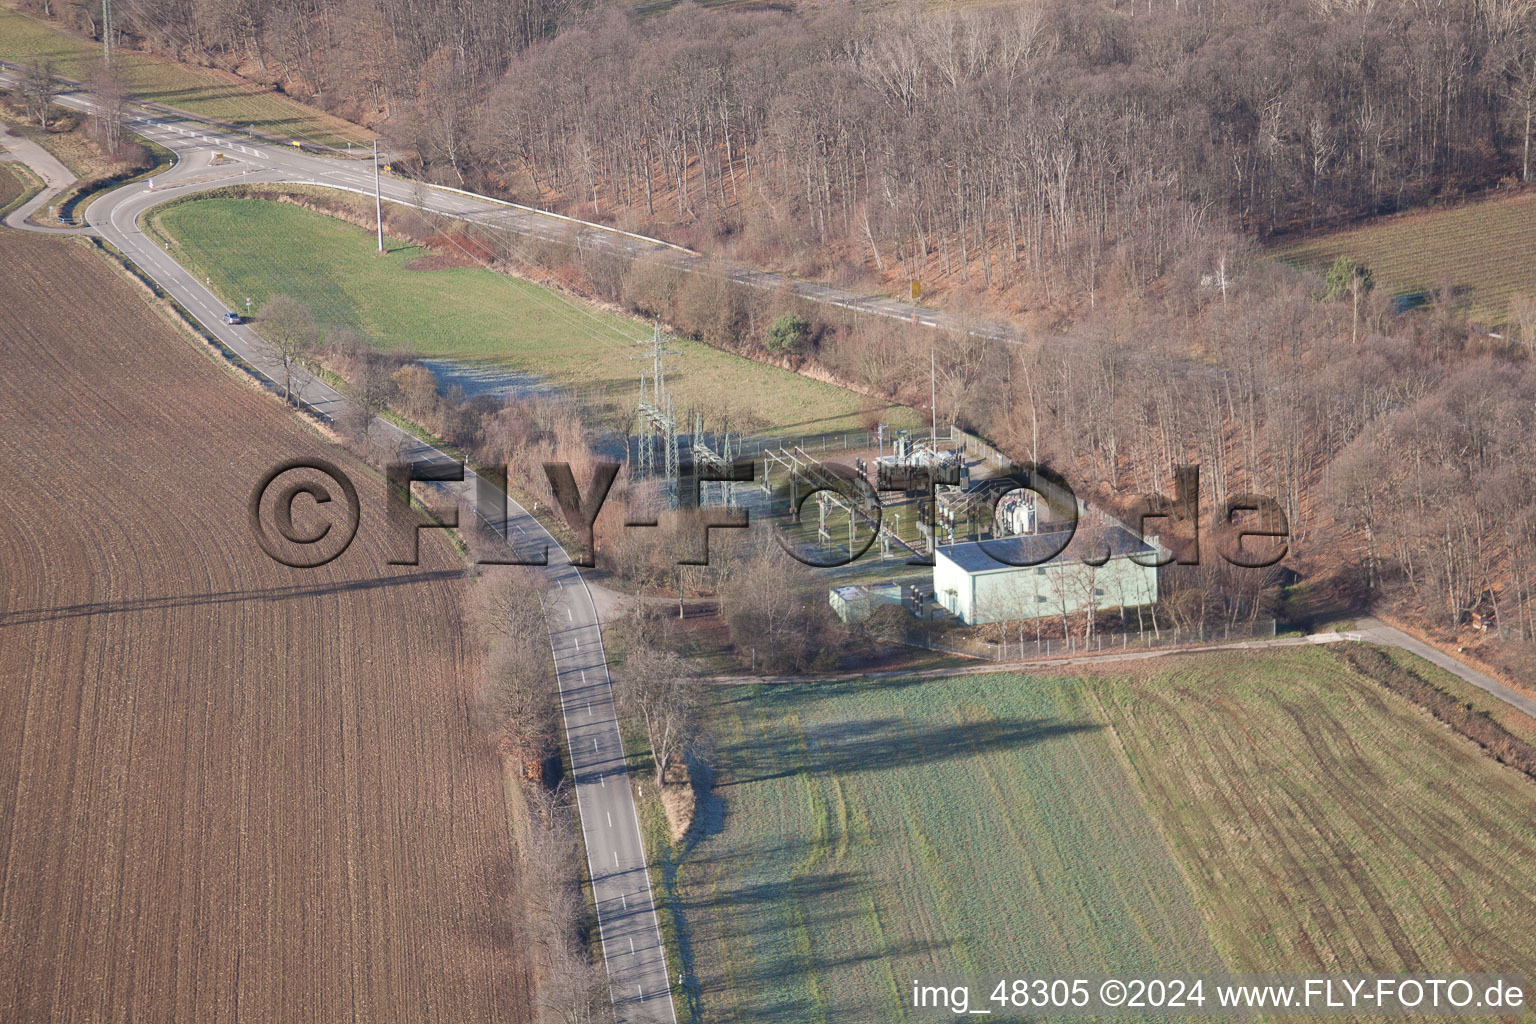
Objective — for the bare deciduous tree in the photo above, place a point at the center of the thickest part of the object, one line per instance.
(769, 602)
(518, 700)
(290, 326)
(109, 91)
(417, 387)
(38, 88)
(372, 387)
(659, 687)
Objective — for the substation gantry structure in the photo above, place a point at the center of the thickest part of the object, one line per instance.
(657, 415)
(805, 474)
(705, 456)
(660, 442)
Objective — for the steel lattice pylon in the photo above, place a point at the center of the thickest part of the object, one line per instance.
(657, 414)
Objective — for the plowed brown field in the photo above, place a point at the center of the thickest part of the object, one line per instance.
(229, 790)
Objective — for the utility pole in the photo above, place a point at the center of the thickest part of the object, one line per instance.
(106, 33)
(378, 196)
(933, 396)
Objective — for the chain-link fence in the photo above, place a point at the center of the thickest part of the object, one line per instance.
(1029, 648)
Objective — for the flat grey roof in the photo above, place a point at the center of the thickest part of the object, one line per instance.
(1015, 552)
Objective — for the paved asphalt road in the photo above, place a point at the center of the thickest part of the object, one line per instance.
(56, 177)
(1367, 630)
(630, 931)
(280, 163)
(630, 934)
(1377, 632)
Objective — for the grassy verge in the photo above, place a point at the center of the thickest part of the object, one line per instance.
(259, 248)
(75, 200)
(213, 94)
(662, 858)
(178, 315)
(70, 146)
(95, 173)
(1476, 700)
(18, 186)
(556, 526)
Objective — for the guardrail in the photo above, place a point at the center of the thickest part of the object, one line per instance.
(556, 216)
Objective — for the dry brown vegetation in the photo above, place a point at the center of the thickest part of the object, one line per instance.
(1100, 171)
(10, 185)
(228, 789)
(97, 150)
(1477, 726)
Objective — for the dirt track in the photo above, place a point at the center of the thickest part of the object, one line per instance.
(229, 790)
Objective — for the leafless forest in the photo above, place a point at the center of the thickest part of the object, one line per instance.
(1062, 143)
(1105, 173)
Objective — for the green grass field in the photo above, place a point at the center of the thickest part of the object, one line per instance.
(862, 834)
(1245, 812)
(214, 94)
(1327, 823)
(260, 248)
(1485, 251)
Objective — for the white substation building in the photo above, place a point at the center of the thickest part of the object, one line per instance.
(987, 581)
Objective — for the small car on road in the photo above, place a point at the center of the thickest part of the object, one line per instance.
(233, 319)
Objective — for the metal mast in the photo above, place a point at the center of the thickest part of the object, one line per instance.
(378, 195)
(658, 417)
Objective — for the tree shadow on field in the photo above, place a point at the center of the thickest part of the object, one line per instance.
(767, 905)
(28, 616)
(775, 900)
(790, 696)
(881, 744)
(488, 916)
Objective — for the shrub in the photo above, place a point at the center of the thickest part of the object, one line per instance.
(1342, 274)
(788, 335)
